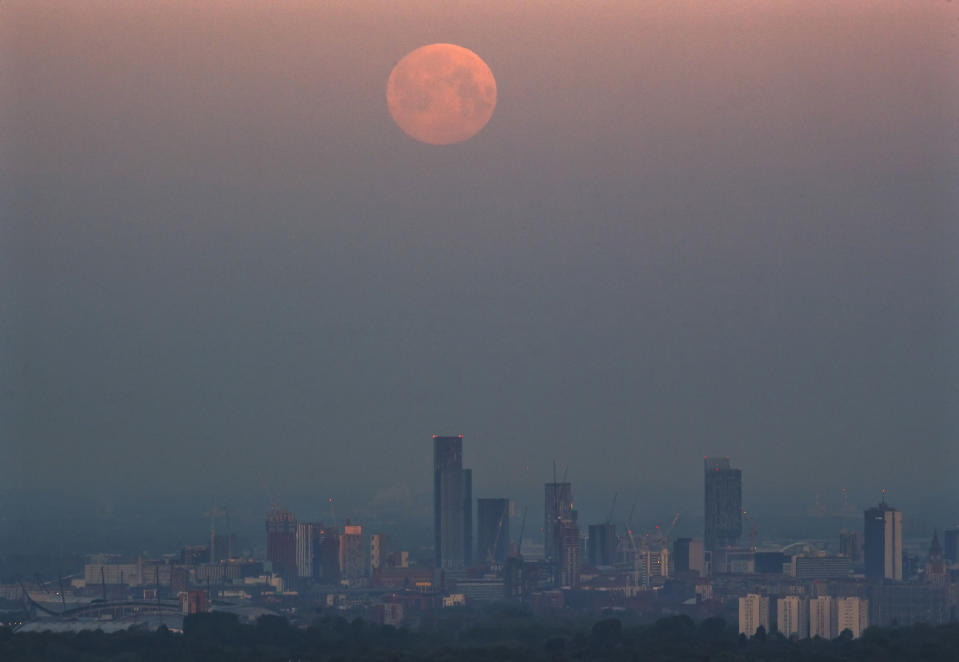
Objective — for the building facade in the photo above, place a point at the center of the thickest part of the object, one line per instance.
(601, 545)
(281, 542)
(377, 551)
(351, 553)
(753, 614)
(792, 616)
(852, 614)
(822, 617)
(723, 503)
(305, 548)
(449, 496)
(883, 543)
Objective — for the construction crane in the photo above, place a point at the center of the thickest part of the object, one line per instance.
(612, 507)
(499, 527)
(522, 529)
(663, 537)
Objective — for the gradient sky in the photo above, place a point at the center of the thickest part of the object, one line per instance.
(690, 228)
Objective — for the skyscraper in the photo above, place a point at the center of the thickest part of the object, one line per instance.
(601, 548)
(724, 503)
(281, 542)
(950, 544)
(451, 502)
(492, 530)
(882, 550)
(351, 553)
(307, 535)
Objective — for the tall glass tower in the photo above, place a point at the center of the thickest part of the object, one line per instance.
(452, 503)
(724, 503)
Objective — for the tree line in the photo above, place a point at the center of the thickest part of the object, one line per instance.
(507, 634)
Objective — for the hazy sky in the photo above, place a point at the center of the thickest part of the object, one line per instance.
(690, 228)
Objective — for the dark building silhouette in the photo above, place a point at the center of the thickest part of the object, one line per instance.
(492, 530)
(882, 537)
(451, 502)
(950, 545)
(850, 545)
(601, 548)
(281, 542)
(326, 555)
(558, 507)
(724, 503)
(468, 517)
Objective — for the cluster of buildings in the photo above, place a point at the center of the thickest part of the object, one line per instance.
(802, 589)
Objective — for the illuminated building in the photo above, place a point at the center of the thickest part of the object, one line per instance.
(377, 551)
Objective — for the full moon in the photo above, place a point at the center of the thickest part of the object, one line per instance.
(441, 94)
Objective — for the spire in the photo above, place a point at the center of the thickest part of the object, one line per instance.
(935, 549)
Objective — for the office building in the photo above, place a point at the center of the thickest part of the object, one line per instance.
(822, 617)
(753, 614)
(850, 544)
(883, 543)
(492, 532)
(769, 563)
(950, 546)
(326, 555)
(652, 563)
(822, 567)
(306, 538)
(689, 555)
(792, 616)
(566, 565)
(377, 552)
(449, 502)
(281, 542)
(724, 503)
(902, 603)
(852, 614)
(351, 553)
(601, 545)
